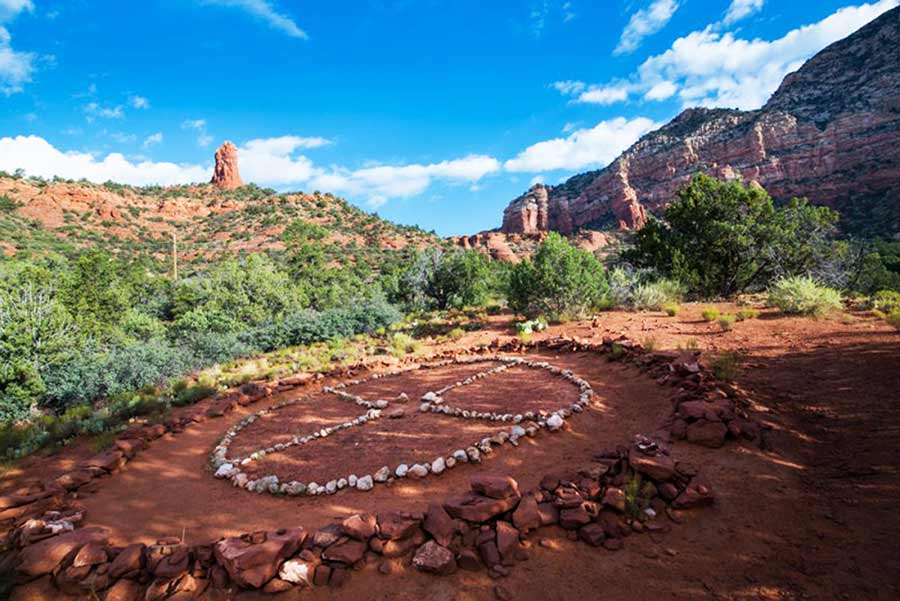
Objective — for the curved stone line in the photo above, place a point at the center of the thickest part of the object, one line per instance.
(431, 402)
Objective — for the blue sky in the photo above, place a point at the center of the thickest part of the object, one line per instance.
(432, 113)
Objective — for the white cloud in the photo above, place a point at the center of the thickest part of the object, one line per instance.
(153, 139)
(265, 11)
(661, 91)
(16, 68)
(568, 12)
(193, 124)
(10, 8)
(610, 94)
(537, 179)
(594, 147)
(569, 88)
(267, 162)
(38, 157)
(741, 9)
(199, 125)
(95, 110)
(139, 102)
(387, 181)
(284, 145)
(714, 69)
(645, 22)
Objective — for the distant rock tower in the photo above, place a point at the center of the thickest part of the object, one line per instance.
(226, 175)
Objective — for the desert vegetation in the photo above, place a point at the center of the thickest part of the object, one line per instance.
(91, 336)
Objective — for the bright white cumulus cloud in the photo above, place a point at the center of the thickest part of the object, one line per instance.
(38, 157)
(645, 22)
(584, 148)
(272, 162)
(715, 69)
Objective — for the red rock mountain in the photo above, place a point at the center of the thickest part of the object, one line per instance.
(831, 133)
(225, 173)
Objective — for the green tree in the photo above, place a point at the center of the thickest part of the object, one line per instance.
(560, 281)
(724, 238)
(96, 292)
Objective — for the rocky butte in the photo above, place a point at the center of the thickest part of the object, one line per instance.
(225, 173)
(831, 133)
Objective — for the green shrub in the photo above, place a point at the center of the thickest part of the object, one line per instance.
(886, 301)
(653, 296)
(538, 324)
(894, 318)
(747, 313)
(672, 309)
(559, 281)
(803, 296)
(726, 321)
(185, 394)
(710, 313)
(721, 238)
(456, 333)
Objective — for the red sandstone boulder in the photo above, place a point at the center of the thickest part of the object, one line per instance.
(434, 559)
(507, 540)
(128, 562)
(360, 526)
(346, 551)
(43, 557)
(108, 461)
(697, 494)
(90, 554)
(527, 516)
(574, 517)
(124, 590)
(394, 525)
(474, 507)
(439, 524)
(659, 467)
(495, 487)
(707, 433)
(252, 565)
(592, 534)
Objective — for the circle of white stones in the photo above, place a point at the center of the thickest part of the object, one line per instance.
(524, 424)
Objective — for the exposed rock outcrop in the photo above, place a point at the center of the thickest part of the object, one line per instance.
(225, 174)
(831, 133)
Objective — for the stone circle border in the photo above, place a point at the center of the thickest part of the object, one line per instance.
(226, 467)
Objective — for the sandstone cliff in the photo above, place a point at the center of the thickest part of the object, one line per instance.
(831, 133)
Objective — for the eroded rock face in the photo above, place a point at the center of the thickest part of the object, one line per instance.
(829, 133)
(225, 174)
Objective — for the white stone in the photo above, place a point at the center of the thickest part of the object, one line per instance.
(296, 571)
(226, 470)
(451, 462)
(342, 483)
(401, 470)
(351, 480)
(461, 456)
(331, 487)
(382, 475)
(365, 483)
(517, 432)
(438, 465)
(555, 422)
(417, 471)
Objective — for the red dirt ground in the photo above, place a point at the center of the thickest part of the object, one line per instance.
(811, 515)
(172, 487)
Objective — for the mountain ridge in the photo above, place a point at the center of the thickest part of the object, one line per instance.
(830, 132)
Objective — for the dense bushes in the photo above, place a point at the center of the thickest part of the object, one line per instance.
(560, 281)
(444, 279)
(803, 296)
(723, 238)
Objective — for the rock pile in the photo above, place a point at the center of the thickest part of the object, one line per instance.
(628, 490)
